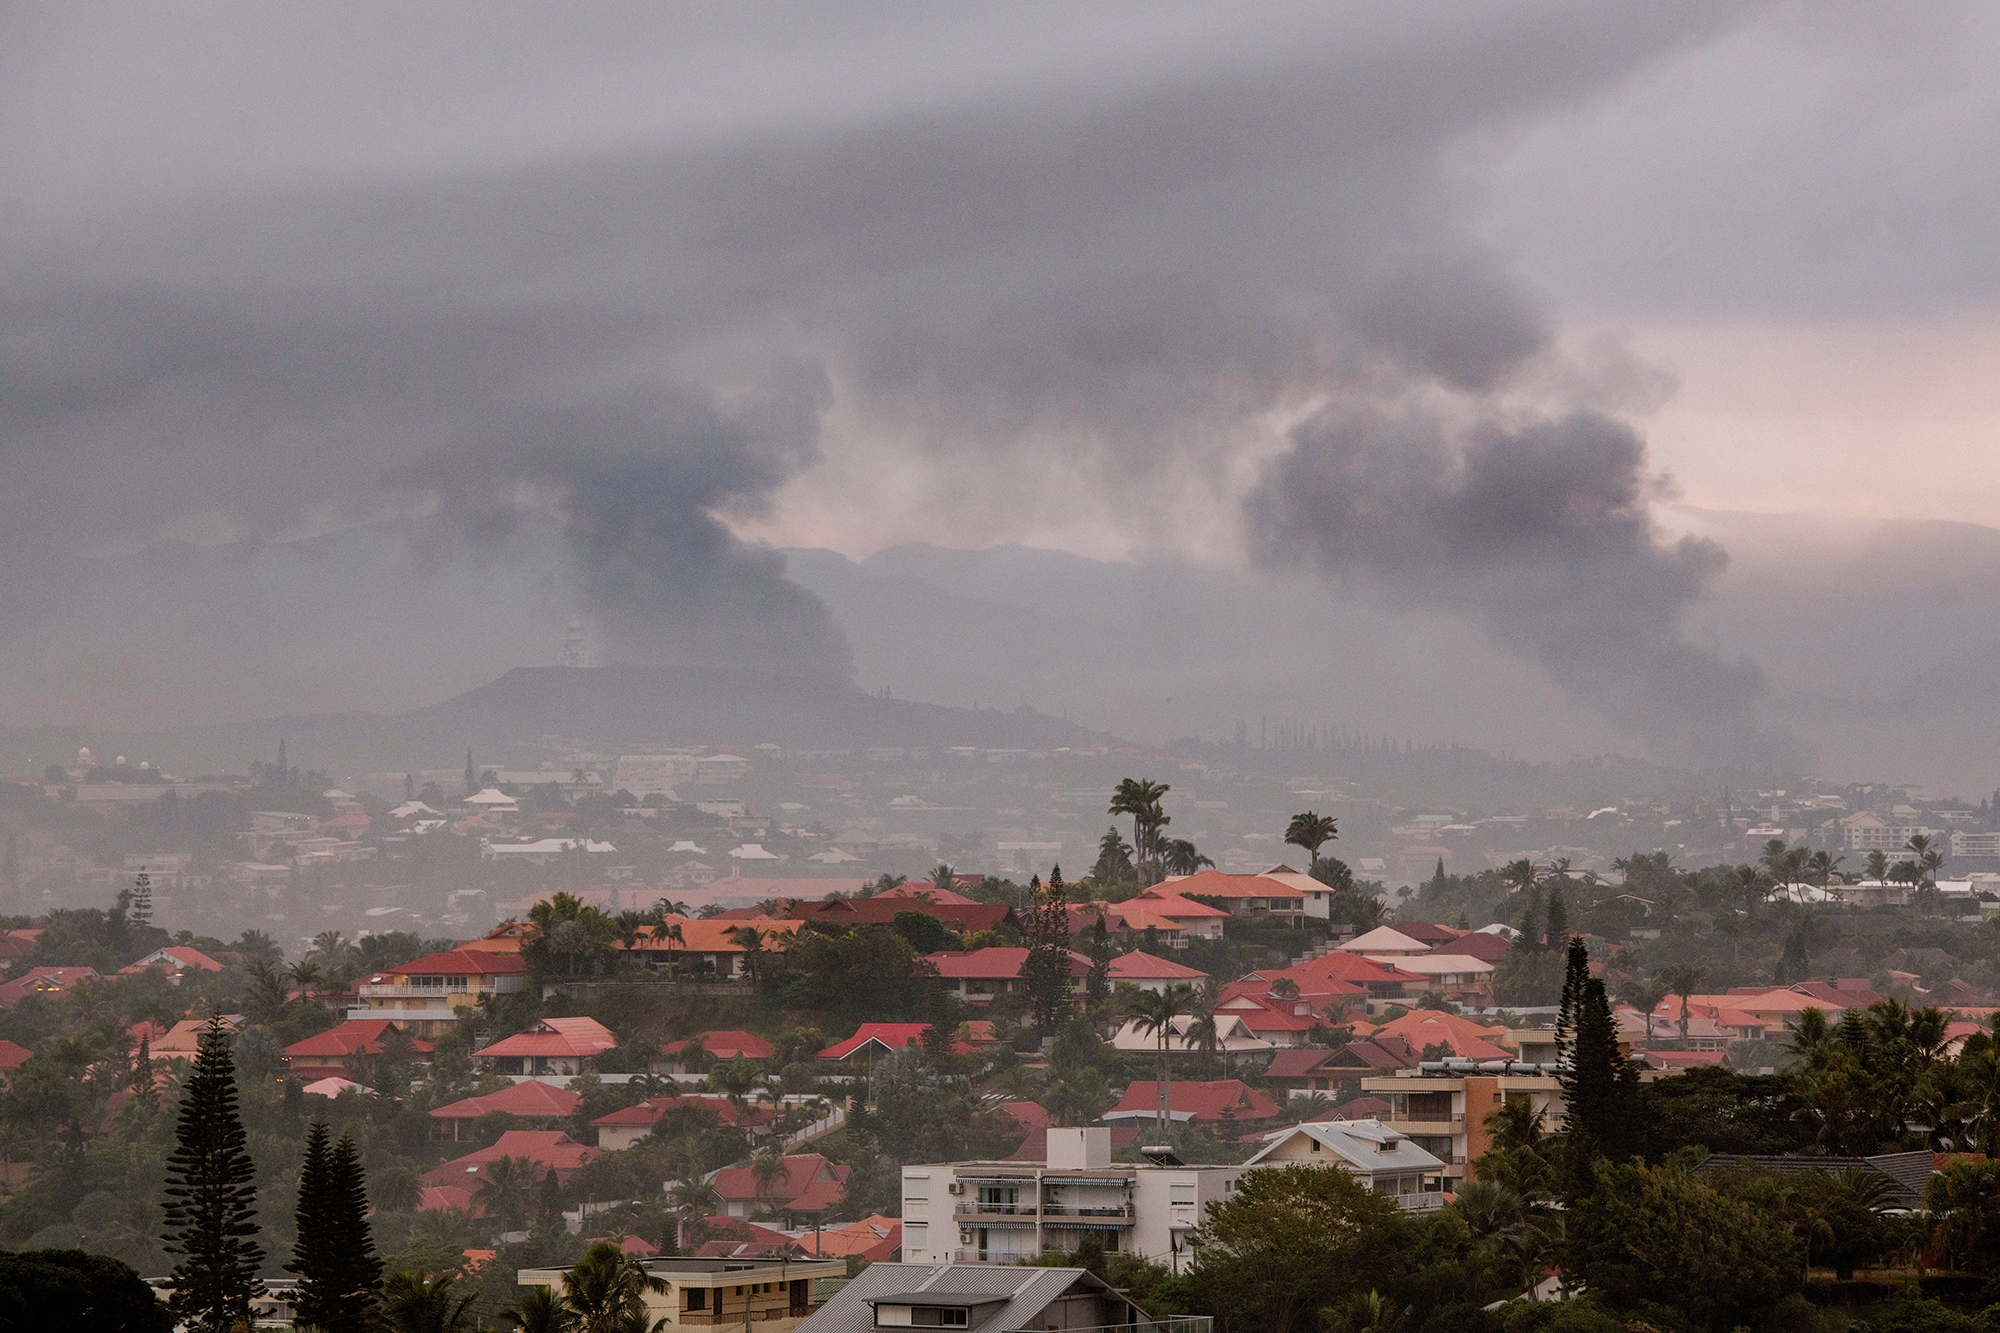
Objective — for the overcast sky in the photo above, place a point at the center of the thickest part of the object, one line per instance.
(1467, 309)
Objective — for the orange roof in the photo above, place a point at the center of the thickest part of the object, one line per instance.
(1171, 904)
(529, 1100)
(460, 962)
(546, 1148)
(1216, 884)
(713, 936)
(577, 1037)
(357, 1036)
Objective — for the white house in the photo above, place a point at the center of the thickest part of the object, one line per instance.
(1386, 1160)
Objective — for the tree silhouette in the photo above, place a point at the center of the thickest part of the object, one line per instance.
(1312, 832)
(211, 1195)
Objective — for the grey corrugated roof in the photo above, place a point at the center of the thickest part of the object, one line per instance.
(1910, 1170)
(1028, 1291)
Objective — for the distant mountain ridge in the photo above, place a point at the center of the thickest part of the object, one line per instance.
(530, 711)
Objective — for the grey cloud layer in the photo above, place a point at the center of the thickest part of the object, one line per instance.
(641, 343)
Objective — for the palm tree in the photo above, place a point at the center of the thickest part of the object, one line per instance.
(1140, 798)
(1521, 876)
(1204, 1030)
(1682, 979)
(507, 1190)
(768, 1170)
(1180, 857)
(1825, 868)
(1877, 866)
(412, 1305)
(942, 878)
(607, 1291)
(691, 1199)
(1928, 860)
(1312, 831)
(306, 975)
(542, 1311)
(670, 907)
(751, 941)
(1155, 1012)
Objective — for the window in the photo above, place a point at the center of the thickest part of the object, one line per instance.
(916, 1235)
(917, 1189)
(1180, 1193)
(697, 1298)
(938, 1316)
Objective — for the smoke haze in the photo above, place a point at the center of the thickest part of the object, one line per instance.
(597, 336)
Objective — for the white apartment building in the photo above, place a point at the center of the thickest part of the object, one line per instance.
(1870, 832)
(1964, 842)
(1011, 1212)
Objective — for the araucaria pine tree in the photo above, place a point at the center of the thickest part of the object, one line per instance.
(211, 1196)
(1046, 972)
(340, 1279)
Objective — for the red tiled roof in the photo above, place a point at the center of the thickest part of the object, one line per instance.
(996, 963)
(1361, 1108)
(1486, 948)
(1292, 1062)
(890, 1036)
(1205, 1100)
(875, 1238)
(1216, 884)
(1028, 1115)
(578, 1037)
(628, 1244)
(809, 1184)
(433, 1198)
(546, 1148)
(13, 1056)
(530, 1100)
(461, 962)
(1170, 902)
(175, 957)
(725, 1045)
(649, 1111)
(56, 981)
(357, 1036)
(966, 918)
(1140, 966)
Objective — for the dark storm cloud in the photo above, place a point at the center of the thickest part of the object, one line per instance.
(1541, 529)
(1127, 261)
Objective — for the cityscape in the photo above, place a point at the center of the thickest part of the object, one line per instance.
(1128, 668)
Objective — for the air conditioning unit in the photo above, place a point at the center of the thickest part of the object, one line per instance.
(956, 1187)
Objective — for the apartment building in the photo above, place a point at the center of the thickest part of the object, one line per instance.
(1442, 1108)
(1011, 1212)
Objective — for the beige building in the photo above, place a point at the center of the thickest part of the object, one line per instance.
(771, 1295)
(424, 997)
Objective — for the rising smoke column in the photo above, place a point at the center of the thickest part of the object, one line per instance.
(1540, 529)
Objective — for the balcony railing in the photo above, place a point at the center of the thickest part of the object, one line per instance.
(1104, 1210)
(976, 1209)
(1420, 1203)
(384, 992)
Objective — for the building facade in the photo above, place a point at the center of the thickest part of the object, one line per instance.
(1011, 1212)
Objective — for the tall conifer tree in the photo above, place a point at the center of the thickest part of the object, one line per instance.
(340, 1278)
(1046, 971)
(211, 1195)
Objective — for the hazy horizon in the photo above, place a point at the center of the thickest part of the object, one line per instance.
(1536, 378)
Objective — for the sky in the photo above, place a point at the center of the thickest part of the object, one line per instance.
(344, 351)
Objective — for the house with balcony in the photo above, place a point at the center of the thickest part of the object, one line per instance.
(1460, 978)
(1272, 893)
(424, 996)
(1014, 1211)
(770, 1294)
(1381, 1157)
